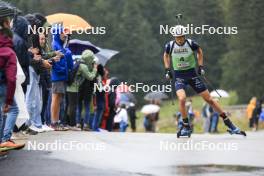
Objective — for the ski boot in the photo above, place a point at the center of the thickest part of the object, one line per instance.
(232, 129)
(237, 131)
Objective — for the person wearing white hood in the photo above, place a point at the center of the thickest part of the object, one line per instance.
(121, 119)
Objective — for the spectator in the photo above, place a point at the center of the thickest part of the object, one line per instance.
(86, 70)
(100, 99)
(114, 82)
(21, 45)
(250, 109)
(256, 114)
(45, 81)
(106, 110)
(190, 112)
(59, 74)
(8, 69)
(214, 118)
(132, 116)
(33, 94)
(150, 121)
(121, 119)
(206, 116)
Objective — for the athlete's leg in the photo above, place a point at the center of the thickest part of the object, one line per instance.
(182, 100)
(197, 84)
(185, 129)
(207, 97)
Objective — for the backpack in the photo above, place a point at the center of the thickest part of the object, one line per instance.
(73, 72)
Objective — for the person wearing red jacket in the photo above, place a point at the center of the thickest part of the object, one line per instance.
(8, 65)
(106, 110)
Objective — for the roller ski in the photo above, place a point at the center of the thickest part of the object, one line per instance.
(232, 129)
(184, 130)
(237, 131)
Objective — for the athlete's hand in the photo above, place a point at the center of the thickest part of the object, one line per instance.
(201, 70)
(168, 73)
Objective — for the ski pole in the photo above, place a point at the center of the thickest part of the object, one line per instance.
(178, 18)
(171, 93)
(211, 86)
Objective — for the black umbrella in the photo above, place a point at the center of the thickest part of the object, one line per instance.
(78, 46)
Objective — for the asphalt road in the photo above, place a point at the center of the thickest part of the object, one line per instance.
(146, 154)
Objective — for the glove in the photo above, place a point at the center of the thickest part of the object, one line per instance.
(201, 70)
(168, 73)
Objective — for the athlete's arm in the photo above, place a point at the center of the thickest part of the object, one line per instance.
(166, 56)
(200, 56)
(166, 60)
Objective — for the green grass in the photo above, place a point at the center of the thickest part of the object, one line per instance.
(166, 123)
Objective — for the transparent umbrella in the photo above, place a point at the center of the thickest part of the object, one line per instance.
(150, 108)
(223, 93)
(155, 96)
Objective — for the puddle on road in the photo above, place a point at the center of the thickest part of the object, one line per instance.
(217, 170)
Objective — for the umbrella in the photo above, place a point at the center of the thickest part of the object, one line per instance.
(223, 93)
(155, 96)
(150, 108)
(70, 21)
(78, 46)
(105, 54)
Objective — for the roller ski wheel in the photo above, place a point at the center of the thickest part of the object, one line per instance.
(184, 132)
(237, 131)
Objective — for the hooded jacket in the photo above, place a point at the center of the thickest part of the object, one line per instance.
(85, 71)
(20, 42)
(61, 68)
(8, 66)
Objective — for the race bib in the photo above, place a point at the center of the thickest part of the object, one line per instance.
(183, 64)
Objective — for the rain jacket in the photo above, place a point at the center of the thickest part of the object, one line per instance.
(250, 108)
(61, 68)
(85, 71)
(8, 66)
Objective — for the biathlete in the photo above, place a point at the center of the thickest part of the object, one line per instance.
(181, 52)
